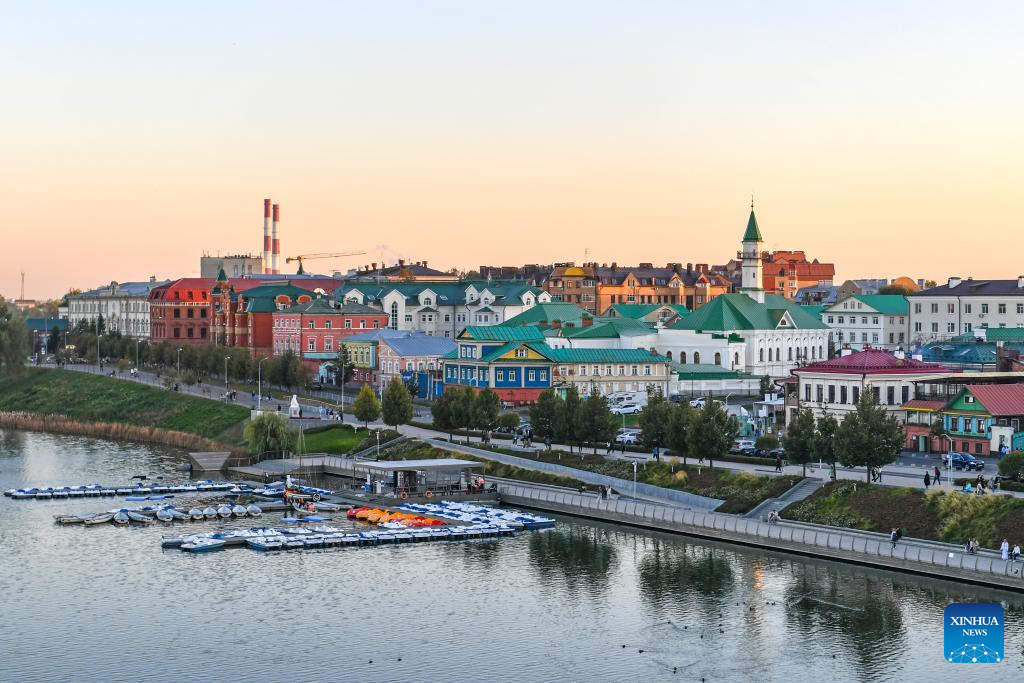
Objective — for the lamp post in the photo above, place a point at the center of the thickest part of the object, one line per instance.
(226, 359)
(949, 461)
(179, 362)
(634, 478)
(137, 353)
(259, 383)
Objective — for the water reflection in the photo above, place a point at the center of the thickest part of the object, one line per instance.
(673, 570)
(11, 442)
(574, 554)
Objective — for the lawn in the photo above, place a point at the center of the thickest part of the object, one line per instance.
(104, 399)
(337, 439)
(937, 515)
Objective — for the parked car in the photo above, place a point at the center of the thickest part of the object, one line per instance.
(626, 409)
(963, 461)
(628, 438)
(777, 453)
(740, 445)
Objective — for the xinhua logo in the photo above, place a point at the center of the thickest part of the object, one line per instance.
(974, 633)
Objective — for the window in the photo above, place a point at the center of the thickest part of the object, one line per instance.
(818, 392)
(967, 327)
(311, 326)
(769, 355)
(582, 370)
(905, 394)
(831, 393)
(328, 344)
(394, 315)
(935, 327)
(917, 327)
(531, 376)
(1020, 309)
(511, 375)
(984, 308)
(327, 324)
(890, 395)
(408, 317)
(696, 357)
(718, 359)
(842, 394)
(863, 320)
(790, 354)
(856, 394)
(647, 369)
(312, 344)
(830, 320)
(917, 308)
(1002, 309)
(840, 320)
(950, 308)
(499, 375)
(190, 332)
(177, 312)
(935, 308)
(760, 356)
(521, 352)
(376, 325)
(348, 324)
(635, 370)
(807, 392)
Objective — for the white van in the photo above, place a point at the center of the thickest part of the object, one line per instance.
(740, 445)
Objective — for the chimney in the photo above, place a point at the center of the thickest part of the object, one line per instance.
(401, 262)
(275, 242)
(374, 264)
(953, 282)
(424, 264)
(266, 235)
(689, 268)
(152, 278)
(587, 321)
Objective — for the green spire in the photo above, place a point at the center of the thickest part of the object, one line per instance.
(221, 275)
(301, 270)
(753, 234)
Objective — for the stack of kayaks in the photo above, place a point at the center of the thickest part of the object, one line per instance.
(466, 512)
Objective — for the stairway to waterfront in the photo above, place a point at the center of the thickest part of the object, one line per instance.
(802, 490)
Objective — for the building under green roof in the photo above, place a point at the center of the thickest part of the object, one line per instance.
(887, 304)
(1004, 334)
(690, 371)
(548, 313)
(728, 312)
(637, 311)
(502, 333)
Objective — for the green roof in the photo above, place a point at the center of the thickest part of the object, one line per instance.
(604, 328)
(1004, 334)
(707, 371)
(540, 347)
(753, 234)
(729, 312)
(502, 333)
(636, 311)
(46, 324)
(261, 299)
(605, 356)
(547, 313)
(815, 310)
(888, 304)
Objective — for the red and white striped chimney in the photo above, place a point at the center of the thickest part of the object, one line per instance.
(266, 235)
(275, 242)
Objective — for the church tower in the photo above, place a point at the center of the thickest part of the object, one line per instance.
(751, 255)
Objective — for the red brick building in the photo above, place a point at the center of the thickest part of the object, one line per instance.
(785, 272)
(313, 329)
(179, 312)
(246, 319)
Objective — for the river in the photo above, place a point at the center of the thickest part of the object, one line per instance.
(578, 602)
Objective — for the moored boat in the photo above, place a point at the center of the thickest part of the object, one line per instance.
(210, 513)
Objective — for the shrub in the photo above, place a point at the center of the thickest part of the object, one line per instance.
(1012, 465)
(767, 442)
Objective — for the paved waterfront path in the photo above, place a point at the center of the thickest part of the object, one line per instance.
(801, 490)
(925, 557)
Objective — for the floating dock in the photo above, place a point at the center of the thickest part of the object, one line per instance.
(148, 491)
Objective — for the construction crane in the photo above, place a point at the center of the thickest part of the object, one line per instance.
(302, 257)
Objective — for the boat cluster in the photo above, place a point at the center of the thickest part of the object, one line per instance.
(161, 513)
(140, 490)
(300, 538)
(278, 488)
(393, 520)
(467, 512)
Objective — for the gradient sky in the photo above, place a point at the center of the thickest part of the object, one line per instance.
(138, 135)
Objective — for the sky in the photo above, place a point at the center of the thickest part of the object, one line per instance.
(884, 138)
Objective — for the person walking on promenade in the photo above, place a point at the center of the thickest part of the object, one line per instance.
(937, 476)
(778, 464)
(927, 480)
(1016, 552)
(899, 533)
(892, 537)
(1004, 550)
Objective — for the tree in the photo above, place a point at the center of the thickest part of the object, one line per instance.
(463, 408)
(869, 436)
(799, 439)
(569, 418)
(597, 420)
(1012, 465)
(654, 421)
(766, 386)
(486, 406)
(53, 342)
(824, 446)
(544, 415)
(767, 442)
(680, 425)
(14, 340)
(713, 432)
(270, 433)
(442, 411)
(929, 284)
(507, 422)
(895, 289)
(101, 325)
(366, 407)
(343, 367)
(397, 404)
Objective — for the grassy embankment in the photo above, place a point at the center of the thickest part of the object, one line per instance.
(341, 439)
(741, 491)
(93, 399)
(937, 515)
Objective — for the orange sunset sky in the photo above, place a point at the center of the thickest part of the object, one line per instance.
(886, 139)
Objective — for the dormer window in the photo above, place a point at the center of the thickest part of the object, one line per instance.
(428, 301)
(521, 352)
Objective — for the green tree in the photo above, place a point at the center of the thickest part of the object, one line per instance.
(680, 425)
(397, 404)
(654, 421)
(597, 420)
(824, 447)
(270, 433)
(342, 366)
(366, 407)
(1012, 465)
(544, 415)
(15, 341)
(799, 439)
(713, 432)
(441, 411)
(766, 386)
(486, 407)
(463, 408)
(507, 422)
(53, 342)
(895, 289)
(869, 436)
(569, 423)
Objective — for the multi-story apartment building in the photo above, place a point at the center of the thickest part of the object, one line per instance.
(315, 329)
(786, 272)
(443, 309)
(965, 307)
(573, 284)
(124, 307)
(880, 321)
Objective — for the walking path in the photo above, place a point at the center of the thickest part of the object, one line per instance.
(803, 489)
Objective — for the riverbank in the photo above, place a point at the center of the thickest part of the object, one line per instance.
(95, 398)
(940, 560)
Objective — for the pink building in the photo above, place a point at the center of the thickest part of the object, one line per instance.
(314, 330)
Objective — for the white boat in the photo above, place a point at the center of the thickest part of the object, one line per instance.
(254, 510)
(224, 511)
(210, 513)
(120, 517)
(138, 517)
(196, 514)
(202, 545)
(164, 515)
(100, 518)
(239, 511)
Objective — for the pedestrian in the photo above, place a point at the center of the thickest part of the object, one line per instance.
(604, 493)
(892, 537)
(778, 464)
(927, 480)
(937, 476)
(622, 447)
(547, 443)
(655, 453)
(1004, 550)
(899, 533)
(995, 483)
(1016, 552)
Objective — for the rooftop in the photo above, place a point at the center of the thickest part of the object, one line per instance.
(999, 399)
(729, 312)
(420, 465)
(972, 287)
(871, 362)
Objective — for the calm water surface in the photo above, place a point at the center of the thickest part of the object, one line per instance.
(107, 604)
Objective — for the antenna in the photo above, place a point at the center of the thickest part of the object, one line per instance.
(23, 285)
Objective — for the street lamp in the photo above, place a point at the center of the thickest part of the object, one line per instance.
(226, 359)
(259, 383)
(137, 353)
(949, 461)
(179, 362)
(634, 478)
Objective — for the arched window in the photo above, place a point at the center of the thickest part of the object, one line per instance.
(668, 354)
(735, 360)
(696, 357)
(394, 315)
(778, 354)
(682, 357)
(821, 352)
(760, 355)
(769, 354)
(814, 353)
(790, 353)
(718, 359)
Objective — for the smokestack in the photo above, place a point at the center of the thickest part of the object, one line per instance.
(275, 242)
(266, 235)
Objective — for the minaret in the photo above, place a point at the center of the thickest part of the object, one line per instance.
(751, 255)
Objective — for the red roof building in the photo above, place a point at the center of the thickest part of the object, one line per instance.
(785, 272)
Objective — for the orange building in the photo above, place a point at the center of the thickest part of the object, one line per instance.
(785, 272)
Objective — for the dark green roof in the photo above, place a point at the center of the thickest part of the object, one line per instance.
(753, 234)
(540, 347)
(547, 313)
(605, 356)
(502, 333)
(46, 324)
(1004, 334)
(262, 299)
(687, 371)
(728, 312)
(636, 311)
(605, 328)
(889, 304)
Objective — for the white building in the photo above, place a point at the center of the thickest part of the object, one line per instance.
(880, 321)
(123, 306)
(965, 307)
(443, 309)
